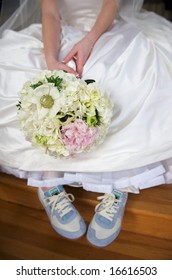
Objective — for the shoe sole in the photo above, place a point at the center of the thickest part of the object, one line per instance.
(98, 245)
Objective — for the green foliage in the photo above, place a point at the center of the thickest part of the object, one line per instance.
(89, 81)
(18, 105)
(36, 85)
(56, 81)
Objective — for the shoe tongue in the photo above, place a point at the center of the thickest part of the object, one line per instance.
(117, 194)
(54, 191)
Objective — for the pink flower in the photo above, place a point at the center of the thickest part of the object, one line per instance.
(77, 136)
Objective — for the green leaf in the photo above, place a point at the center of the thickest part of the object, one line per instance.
(89, 81)
(64, 119)
(18, 105)
(56, 81)
(37, 85)
(98, 117)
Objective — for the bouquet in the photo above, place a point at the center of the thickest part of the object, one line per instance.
(63, 115)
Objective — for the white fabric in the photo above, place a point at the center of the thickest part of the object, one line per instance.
(133, 61)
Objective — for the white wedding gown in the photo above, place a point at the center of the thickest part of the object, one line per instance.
(133, 61)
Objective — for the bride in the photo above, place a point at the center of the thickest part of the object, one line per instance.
(127, 51)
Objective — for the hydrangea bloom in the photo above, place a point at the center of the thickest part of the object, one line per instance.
(77, 136)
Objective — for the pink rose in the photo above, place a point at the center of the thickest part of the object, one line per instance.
(77, 136)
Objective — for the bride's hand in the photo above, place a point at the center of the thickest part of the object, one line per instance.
(58, 65)
(80, 53)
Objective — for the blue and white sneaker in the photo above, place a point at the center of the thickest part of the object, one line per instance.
(64, 217)
(107, 221)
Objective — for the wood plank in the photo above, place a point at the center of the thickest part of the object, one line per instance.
(25, 231)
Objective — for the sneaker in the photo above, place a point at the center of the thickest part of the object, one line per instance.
(107, 221)
(64, 217)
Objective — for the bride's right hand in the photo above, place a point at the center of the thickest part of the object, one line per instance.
(59, 65)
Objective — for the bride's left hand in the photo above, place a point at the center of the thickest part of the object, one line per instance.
(80, 53)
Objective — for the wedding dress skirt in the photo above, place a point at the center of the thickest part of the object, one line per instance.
(134, 63)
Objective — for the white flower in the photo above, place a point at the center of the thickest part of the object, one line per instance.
(47, 100)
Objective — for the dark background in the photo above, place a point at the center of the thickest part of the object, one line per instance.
(164, 10)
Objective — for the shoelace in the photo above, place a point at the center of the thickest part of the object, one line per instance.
(108, 206)
(60, 202)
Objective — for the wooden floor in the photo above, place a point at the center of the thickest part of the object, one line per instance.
(25, 232)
